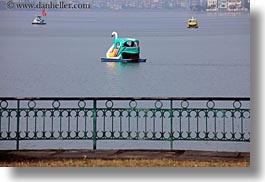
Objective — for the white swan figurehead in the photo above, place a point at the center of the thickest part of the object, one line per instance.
(114, 34)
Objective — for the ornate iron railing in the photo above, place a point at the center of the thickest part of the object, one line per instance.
(130, 118)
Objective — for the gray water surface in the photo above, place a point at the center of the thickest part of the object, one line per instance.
(63, 57)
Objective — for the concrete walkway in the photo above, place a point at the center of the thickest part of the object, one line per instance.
(22, 155)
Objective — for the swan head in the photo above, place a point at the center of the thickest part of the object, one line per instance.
(114, 34)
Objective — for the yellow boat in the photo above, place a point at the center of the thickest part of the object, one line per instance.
(193, 23)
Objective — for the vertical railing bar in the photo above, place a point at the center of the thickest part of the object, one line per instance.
(43, 124)
(121, 121)
(77, 123)
(233, 125)
(197, 124)
(18, 116)
(94, 124)
(154, 123)
(35, 123)
(112, 123)
(129, 124)
(224, 125)
(68, 123)
(215, 125)
(162, 124)
(180, 125)
(189, 132)
(52, 132)
(242, 126)
(43, 121)
(27, 123)
(137, 125)
(171, 124)
(224, 121)
(85, 115)
(104, 120)
(145, 124)
(60, 122)
(206, 122)
(8, 126)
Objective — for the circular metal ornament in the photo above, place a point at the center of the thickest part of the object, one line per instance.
(81, 104)
(109, 104)
(3, 104)
(133, 104)
(184, 104)
(56, 104)
(210, 104)
(31, 104)
(237, 104)
(158, 104)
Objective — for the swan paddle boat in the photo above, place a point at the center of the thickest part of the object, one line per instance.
(193, 23)
(125, 50)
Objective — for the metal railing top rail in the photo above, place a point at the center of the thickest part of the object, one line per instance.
(128, 98)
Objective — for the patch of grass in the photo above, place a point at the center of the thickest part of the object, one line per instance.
(123, 163)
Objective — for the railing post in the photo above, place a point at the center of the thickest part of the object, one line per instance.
(94, 124)
(171, 125)
(18, 116)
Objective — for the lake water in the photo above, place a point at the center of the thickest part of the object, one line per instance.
(62, 58)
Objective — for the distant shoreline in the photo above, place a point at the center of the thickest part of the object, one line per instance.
(130, 10)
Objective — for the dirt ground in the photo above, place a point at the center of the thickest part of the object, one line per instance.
(122, 158)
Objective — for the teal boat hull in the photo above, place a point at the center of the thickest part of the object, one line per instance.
(123, 60)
